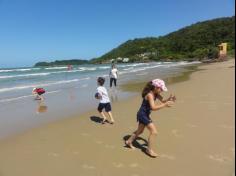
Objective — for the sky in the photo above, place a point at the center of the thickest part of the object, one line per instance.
(48, 30)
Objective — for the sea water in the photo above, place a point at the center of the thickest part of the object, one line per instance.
(68, 91)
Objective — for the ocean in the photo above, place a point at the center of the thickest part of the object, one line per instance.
(68, 92)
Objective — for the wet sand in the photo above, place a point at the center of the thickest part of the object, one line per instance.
(195, 136)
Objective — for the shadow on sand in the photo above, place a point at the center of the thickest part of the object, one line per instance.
(139, 143)
(96, 119)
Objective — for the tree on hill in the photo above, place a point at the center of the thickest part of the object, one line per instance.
(191, 42)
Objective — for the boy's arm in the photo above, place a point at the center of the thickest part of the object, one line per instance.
(99, 93)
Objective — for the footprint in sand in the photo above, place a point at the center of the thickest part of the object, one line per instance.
(191, 125)
(233, 151)
(218, 158)
(227, 103)
(98, 142)
(86, 166)
(180, 101)
(134, 165)
(109, 146)
(167, 156)
(84, 134)
(76, 153)
(118, 165)
(175, 132)
(227, 127)
(134, 175)
(53, 154)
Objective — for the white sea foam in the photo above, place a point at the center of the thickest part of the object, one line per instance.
(25, 96)
(55, 68)
(104, 67)
(7, 89)
(88, 68)
(25, 75)
(133, 65)
(38, 74)
(129, 68)
(18, 70)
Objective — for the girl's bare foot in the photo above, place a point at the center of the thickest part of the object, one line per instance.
(151, 153)
(129, 144)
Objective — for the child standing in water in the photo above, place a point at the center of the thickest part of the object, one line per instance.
(104, 103)
(150, 93)
(38, 92)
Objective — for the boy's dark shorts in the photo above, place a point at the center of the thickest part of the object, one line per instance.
(107, 107)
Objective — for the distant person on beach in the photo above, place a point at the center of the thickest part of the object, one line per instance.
(69, 67)
(104, 101)
(151, 92)
(38, 92)
(113, 75)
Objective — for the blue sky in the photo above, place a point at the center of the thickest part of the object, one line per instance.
(46, 30)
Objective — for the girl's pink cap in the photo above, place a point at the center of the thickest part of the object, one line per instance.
(159, 83)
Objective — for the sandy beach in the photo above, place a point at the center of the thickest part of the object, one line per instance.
(195, 136)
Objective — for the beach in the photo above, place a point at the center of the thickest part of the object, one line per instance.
(195, 136)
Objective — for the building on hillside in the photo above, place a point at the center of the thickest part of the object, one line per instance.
(222, 50)
(126, 59)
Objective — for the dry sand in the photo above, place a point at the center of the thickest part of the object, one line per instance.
(195, 136)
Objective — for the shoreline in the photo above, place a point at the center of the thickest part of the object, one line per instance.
(24, 114)
(188, 143)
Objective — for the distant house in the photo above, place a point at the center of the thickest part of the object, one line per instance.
(126, 59)
(119, 59)
(222, 50)
(112, 60)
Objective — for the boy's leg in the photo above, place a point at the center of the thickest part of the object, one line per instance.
(111, 117)
(135, 135)
(100, 108)
(108, 110)
(103, 116)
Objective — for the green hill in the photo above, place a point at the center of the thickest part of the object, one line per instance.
(190, 43)
(62, 62)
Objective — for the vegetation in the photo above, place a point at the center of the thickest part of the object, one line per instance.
(194, 42)
(62, 62)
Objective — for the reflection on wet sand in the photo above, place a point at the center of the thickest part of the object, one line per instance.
(41, 107)
(113, 95)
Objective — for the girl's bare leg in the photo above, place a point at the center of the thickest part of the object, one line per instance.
(153, 133)
(41, 97)
(135, 135)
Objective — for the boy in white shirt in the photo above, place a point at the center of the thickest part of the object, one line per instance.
(104, 101)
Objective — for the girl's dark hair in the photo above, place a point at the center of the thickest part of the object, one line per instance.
(149, 87)
(101, 81)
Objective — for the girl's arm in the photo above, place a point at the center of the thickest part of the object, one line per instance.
(171, 98)
(156, 107)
